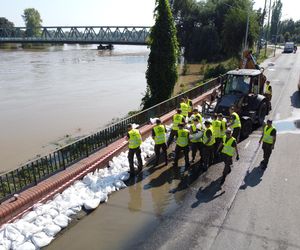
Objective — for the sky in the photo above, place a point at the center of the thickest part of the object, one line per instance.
(104, 12)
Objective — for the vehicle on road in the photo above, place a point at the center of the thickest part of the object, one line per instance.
(288, 47)
(244, 89)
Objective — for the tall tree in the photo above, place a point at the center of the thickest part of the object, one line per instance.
(5, 24)
(276, 15)
(161, 73)
(32, 21)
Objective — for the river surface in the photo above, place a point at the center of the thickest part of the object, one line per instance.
(53, 96)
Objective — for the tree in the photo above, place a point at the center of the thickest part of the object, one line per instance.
(5, 24)
(161, 73)
(276, 15)
(32, 21)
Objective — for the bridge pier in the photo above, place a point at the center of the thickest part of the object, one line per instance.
(105, 47)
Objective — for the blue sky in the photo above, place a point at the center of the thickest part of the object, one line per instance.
(103, 12)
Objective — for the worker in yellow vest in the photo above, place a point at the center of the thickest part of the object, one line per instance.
(184, 108)
(229, 147)
(268, 138)
(216, 126)
(208, 145)
(223, 124)
(159, 135)
(268, 93)
(177, 118)
(189, 102)
(197, 115)
(134, 142)
(235, 124)
(196, 138)
(182, 144)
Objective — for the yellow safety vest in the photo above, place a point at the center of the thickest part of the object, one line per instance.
(223, 127)
(177, 118)
(135, 139)
(190, 105)
(267, 138)
(216, 124)
(205, 138)
(227, 146)
(237, 121)
(160, 134)
(184, 109)
(199, 116)
(194, 129)
(182, 137)
(268, 89)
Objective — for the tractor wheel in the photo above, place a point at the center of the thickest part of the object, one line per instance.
(246, 128)
(262, 112)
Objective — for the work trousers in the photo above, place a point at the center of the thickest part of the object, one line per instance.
(208, 156)
(131, 153)
(157, 148)
(185, 150)
(195, 147)
(236, 134)
(171, 137)
(228, 163)
(216, 153)
(267, 148)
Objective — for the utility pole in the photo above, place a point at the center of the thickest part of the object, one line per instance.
(262, 21)
(267, 35)
(247, 29)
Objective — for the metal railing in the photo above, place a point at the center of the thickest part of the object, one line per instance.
(135, 35)
(37, 170)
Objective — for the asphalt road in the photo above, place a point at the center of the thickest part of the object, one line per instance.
(167, 209)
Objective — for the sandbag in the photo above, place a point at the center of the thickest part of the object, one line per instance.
(28, 245)
(61, 220)
(52, 229)
(91, 204)
(41, 239)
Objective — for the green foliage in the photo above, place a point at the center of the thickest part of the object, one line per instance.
(276, 15)
(5, 23)
(290, 30)
(32, 21)
(161, 73)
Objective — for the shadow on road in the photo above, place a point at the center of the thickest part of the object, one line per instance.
(295, 99)
(253, 178)
(209, 193)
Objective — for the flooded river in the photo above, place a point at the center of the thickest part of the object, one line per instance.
(49, 97)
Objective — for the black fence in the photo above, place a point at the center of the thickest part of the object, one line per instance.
(37, 170)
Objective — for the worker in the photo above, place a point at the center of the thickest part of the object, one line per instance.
(160, 138)
(268, 138)
(208, 145)
(196, 140)
(134, 142)
(182, 144)
(268, 93)
(197, 115)
(177, 118)
(184, 108)
(235, 123)
(216, 126)
(189, 102)
(228, 146)
(223, 124)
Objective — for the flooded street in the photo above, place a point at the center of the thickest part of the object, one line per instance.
(50, 97)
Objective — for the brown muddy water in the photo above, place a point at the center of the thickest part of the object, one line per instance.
(50, 97)
(130, 213)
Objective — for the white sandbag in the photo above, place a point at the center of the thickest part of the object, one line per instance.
(41, 239)
(61, 220)
(91, 204)
(119, 184)
(43, 220)
(30, 216)
(69, 212)
(134, 125)
(13, 234)
(2, 247)
(28, 245)
(153, 120)
(53, 212)
(52, 229)
(102, 196)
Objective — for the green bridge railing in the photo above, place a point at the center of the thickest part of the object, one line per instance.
(39, 169)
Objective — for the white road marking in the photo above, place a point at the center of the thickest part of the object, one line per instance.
(247, 144)
(277, 116)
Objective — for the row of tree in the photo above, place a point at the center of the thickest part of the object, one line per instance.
(32, 20)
